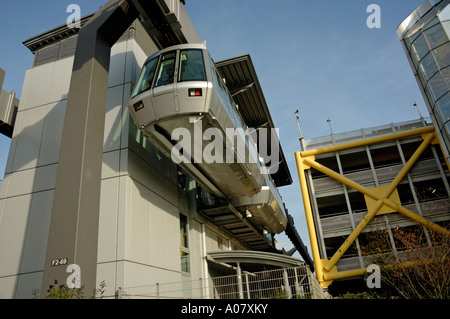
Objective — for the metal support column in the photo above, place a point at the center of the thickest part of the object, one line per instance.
(309, 217)
(205, 261)
(239, 279)
(73, 233)
(298, 291)
(287, 287)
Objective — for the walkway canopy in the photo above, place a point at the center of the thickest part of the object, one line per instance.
(254, 261)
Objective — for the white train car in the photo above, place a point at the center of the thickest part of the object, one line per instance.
(181, 90)
(180, 87)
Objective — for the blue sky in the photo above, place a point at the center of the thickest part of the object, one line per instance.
(316, 56)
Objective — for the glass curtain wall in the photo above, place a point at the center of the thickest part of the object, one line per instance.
(428, 45)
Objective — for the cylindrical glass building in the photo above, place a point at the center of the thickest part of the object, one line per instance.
(425, 35)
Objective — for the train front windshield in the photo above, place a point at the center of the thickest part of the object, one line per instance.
(145, 80)
(191, 68)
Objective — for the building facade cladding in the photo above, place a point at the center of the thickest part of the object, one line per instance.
(141, 198)
(338, 209)
(425, 36)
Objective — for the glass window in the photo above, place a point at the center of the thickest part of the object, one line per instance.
(446, 26)
(445, 14)
(435, 36)
(183, 231)
(428, 66)
(443, 106)
(408, 44)
(433, 21)
(442, 55)
(191, 66)
(184, 244)
(447, 128)
(429, 97)
(166, 70)
(437, 86)
(420, 48)
(214, 74)
(422, 77)
(145, 80)
(412, 36)
(185, 263)
(446, 76)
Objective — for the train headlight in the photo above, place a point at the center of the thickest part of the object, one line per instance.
(195, 92)
(138, 106)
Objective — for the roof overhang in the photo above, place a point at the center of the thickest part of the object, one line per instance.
(254, 259)
(165, 21)
(243, 84)
(229, 219)
(422, 15)
(54, 35)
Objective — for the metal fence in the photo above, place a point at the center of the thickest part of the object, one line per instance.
(286, 283)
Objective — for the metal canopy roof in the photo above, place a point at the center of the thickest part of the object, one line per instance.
(254, 260)
(228, 218)
(243, 83)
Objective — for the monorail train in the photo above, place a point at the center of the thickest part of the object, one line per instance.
(266, 207)
(180, 87)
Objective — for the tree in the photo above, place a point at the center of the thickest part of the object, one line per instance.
(417, 270)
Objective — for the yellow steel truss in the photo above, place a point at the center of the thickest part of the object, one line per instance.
(380, 200)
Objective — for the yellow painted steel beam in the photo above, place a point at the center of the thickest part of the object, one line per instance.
(344, 274)
(414, 216)
(395, 197)
(381, 200)
(367, 141)
(309, 217)
(324, 278)
(326, 270)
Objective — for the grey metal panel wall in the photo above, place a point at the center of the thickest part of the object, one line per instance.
(67, 47)
(47, 54)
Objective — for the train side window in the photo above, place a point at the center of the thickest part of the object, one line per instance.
(192, 67)
(166, 70)
(145, 80)
(213, 73)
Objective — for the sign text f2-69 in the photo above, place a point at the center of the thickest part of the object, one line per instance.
(59, 262)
